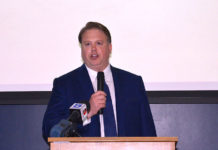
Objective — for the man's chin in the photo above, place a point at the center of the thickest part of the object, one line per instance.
(96, 67)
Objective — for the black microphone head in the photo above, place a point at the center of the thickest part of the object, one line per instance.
(100, 75)
(75, 116)
(100, 78)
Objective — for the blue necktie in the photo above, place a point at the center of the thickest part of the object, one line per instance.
(108, 114)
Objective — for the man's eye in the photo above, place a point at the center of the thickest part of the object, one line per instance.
(99, 43)
(87, 44)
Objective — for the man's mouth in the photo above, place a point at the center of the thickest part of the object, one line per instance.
(94, 56)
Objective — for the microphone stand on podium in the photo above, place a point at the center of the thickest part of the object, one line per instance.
(113, 143)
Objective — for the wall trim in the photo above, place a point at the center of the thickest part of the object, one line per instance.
(155, 97)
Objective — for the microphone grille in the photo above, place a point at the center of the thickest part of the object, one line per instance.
(100, 75)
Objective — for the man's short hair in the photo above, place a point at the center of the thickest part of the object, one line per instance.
(95, 25)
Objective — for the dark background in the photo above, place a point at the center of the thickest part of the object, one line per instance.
(192, 116)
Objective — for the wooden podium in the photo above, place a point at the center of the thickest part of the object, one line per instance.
(113, 143)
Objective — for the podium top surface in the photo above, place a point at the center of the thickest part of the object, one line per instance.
(113, 139)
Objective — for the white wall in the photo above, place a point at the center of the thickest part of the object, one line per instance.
(173, 44)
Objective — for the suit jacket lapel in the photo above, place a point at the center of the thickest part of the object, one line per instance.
(85, 81)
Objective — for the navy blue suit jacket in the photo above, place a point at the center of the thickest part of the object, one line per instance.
(134, 116)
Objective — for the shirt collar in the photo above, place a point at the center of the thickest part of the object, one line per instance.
(107, 73)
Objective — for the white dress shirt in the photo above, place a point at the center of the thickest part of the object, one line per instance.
(110, 82)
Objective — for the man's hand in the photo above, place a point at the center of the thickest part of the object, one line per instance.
(97, 102)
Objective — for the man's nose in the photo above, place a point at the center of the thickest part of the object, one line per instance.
(93, 47)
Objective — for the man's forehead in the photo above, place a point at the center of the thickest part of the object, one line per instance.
(94, 31)
(94, 34)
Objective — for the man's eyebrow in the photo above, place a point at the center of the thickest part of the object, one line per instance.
(91, 41)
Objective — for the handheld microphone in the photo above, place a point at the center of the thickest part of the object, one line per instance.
(79, 112)
(68, 127)
(100, 86)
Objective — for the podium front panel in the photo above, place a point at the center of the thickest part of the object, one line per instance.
(113, 146)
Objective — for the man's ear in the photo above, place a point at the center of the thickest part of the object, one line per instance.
(110, 47)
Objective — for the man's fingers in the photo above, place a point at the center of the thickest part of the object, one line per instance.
(97, 102)
(99, 93)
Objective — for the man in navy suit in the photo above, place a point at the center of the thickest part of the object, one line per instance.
(130, 109)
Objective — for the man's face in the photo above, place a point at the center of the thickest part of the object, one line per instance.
(95, 49)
